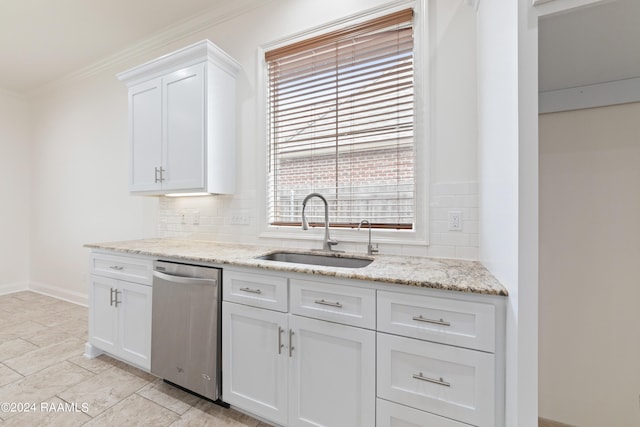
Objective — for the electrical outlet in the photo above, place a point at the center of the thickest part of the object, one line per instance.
(455, 221)
(189, 216)
(240, 217)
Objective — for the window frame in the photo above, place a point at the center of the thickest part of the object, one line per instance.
(419, 234)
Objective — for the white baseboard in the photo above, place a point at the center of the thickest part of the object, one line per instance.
(543, 422)
(9, 288)
(60, 293)
(91, 352)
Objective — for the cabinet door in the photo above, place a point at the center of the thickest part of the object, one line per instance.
(332, 374)
(103, 314)
(184, 129)
(134, 323)
(254, 360)
(145, 127)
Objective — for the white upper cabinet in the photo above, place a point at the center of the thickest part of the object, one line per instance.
(182, 122)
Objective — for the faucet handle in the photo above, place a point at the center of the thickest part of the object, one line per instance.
(373, 250)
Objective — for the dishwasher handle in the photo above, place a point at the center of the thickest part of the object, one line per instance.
(183, 280)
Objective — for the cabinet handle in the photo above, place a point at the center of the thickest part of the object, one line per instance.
(431, 380)
(440, 322)
(116, 267)
(280, 345)
(329, 303)
(252, 291)
(116, 302)
(111, 297)
(159, 177)
(291, 347)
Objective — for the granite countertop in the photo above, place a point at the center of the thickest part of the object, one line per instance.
(436, 273)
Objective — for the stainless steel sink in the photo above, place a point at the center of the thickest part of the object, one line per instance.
(328, 260)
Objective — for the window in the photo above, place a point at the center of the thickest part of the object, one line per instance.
(341, 123)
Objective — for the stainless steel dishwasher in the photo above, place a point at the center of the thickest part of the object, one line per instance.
(186, 329)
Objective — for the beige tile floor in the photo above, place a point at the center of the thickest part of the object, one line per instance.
(41, 365)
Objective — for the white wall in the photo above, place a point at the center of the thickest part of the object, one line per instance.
(79, 188)
(80, 159)
(507, 121)
(15, 169)
(589, 257)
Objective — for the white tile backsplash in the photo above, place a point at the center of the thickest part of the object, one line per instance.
(210, 218)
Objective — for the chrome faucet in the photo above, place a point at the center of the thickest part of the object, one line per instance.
(370, 249)
(327, 243)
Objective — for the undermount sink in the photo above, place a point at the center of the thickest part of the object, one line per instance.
(327, 260)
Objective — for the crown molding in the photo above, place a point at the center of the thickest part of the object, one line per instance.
(171, 34)
(552, 7)
(193, 54)
(590, 96)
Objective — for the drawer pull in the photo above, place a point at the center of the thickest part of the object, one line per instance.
(431, 380)
(116, 267)
(440, 322)
(251, 291)
(329, 303)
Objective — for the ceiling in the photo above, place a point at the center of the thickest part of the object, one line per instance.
(595, 44)
(44, 40)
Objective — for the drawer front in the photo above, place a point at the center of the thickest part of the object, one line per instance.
(389, 414)
(132, 269)
(335, 303)
(460, 323)
(452, 382)
(256, 290)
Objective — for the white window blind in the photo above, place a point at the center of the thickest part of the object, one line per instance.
(341, 123)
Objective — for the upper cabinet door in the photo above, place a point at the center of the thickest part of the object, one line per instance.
(184, 147)
(145, 127)
(182, 122)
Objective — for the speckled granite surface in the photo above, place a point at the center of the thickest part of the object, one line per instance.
(449, 274)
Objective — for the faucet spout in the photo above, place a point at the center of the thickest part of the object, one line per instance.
(370, 249)
(327, 243)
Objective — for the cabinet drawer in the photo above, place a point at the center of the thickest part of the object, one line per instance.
(389, 414)
(448, 321)
(256, 290)
(335, 303)
(449, 381)
(132, 269)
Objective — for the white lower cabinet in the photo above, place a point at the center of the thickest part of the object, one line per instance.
(314, 352)
(297, 371)
(331, 374)
(120, 319)
(254, 360)
(294, 370)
